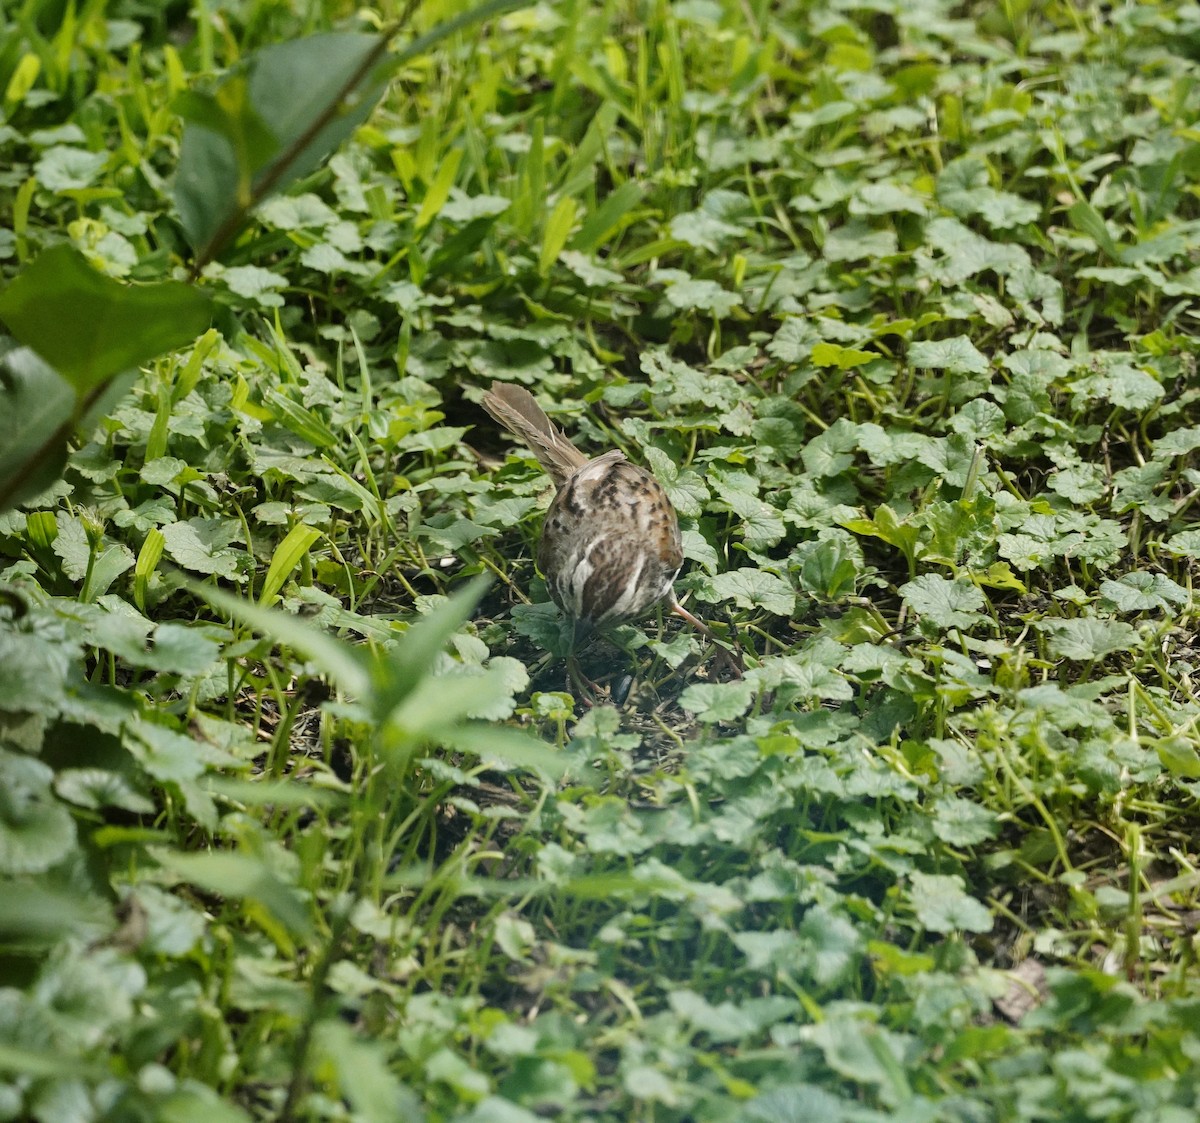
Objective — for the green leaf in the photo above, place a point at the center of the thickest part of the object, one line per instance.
(90, 327)
(496, 1109)
(604, 221)
(844, 358)
(193, 1102)
(885, 525)
(400, 670)
(506, 749)
(202, 545)
(301, 421)
(752, 588)
(274, 118)
(943, 602)
(242, 877)
(704, 296)
(1080, 483)
(288, 554)
(345, 664)
(63, 168)
(829, 569)
(1131, 388)
(962, 822)
(35, 661)
(964, 188)
(546, 625)
(1086, 219)
(863, 1053)
(362, 1073)
(1185, 544)
(762, 524)
(1143, 592)
(36, 830)
(831, 945)
(707, 227)
(95, 788)
(887, 198)
(1088, 637)
(1179, 757)
(181, 649)
(147, 562)
(941, 904)
(439, 189)
(558, 229)
(958, 355)
(36, 411)
(589, 271)
(717, 701)
(453, 26)
(830, 453)
(255, 283)
(857, 241)
(47, 910)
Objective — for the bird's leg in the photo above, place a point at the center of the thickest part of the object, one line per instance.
(731, 659)
(591, 691)
(588, 690)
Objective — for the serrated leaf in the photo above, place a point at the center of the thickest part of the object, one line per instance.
(703, 296)
(1185, 544)
(64, 168)
(958, 355)
(202, 545)
(964, 188)
(717, 701)
(1088, 637)
(942, 904)
(944, 602)
(1143, 592)
(962, 822)
(753, 588)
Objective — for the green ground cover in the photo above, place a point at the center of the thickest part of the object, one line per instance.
(897, 299)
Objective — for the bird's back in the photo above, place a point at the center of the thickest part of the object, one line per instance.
(610, 544)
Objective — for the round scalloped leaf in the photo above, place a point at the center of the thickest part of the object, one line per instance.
(101, 787)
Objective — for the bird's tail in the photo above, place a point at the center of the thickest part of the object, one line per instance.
(514, 407)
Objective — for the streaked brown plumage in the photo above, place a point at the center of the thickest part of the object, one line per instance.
(610, 547)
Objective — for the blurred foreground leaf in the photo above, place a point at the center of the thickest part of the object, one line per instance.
(269, 121)
(90, 327)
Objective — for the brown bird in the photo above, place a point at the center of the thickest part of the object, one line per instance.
(610, 547)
